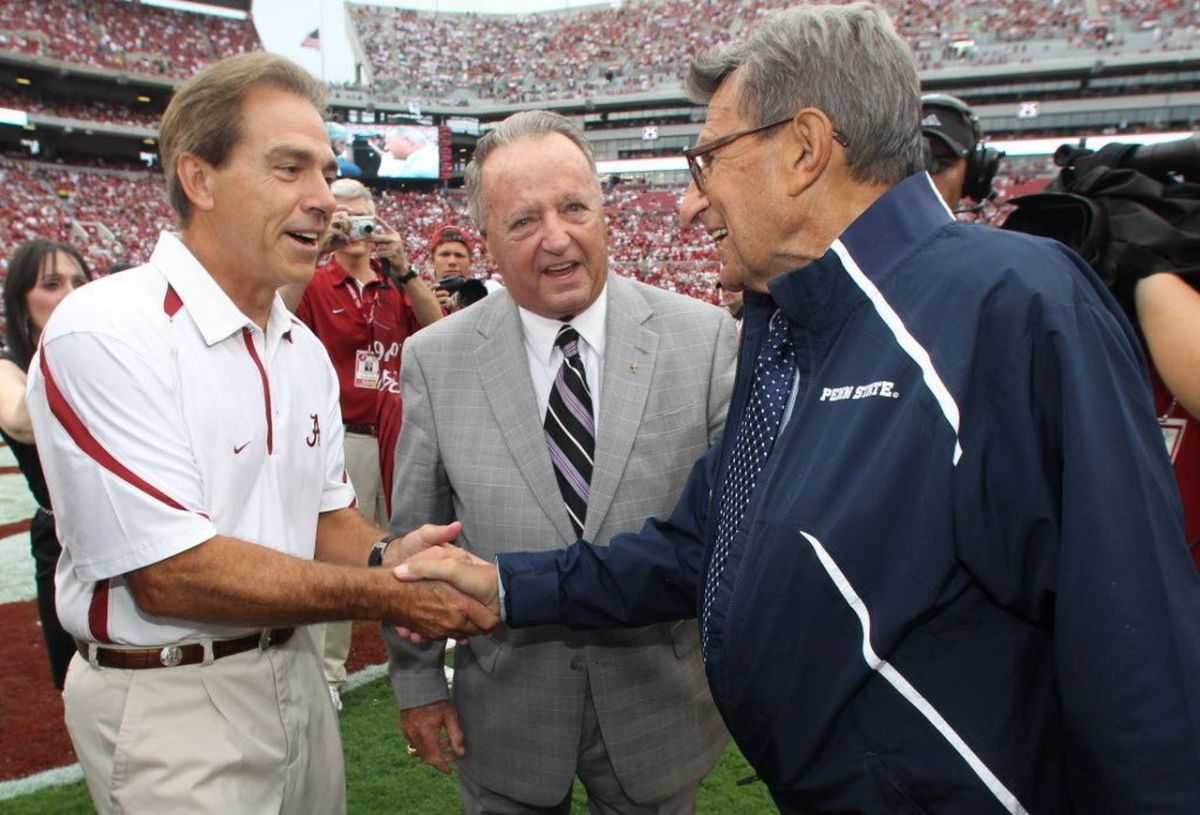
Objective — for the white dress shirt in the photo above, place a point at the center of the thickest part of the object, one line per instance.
(545, 358)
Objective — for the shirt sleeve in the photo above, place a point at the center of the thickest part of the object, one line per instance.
(639, 578)
(111, 435)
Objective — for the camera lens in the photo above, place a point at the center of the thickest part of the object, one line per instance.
(368, 229)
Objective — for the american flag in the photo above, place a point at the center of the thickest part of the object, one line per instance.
(313, 40)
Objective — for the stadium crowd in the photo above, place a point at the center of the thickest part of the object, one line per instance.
(538, 57)
(122, 36)
(564, 55)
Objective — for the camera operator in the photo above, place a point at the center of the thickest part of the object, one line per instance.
(450, 252)
(960, 162)
(362, 305)
(1123, 210)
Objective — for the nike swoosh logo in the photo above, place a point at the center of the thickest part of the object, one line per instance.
(237, 450)
(338, 310)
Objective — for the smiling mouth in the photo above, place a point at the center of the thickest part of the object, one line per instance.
(307, 239)
(561, 269)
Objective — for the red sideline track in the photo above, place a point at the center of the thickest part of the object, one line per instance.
(31, 711)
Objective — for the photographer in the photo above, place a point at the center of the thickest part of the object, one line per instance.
(362, 305)
(1124, 210)
(960, 162)
(450, 252)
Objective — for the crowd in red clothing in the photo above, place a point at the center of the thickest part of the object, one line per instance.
(636, 46)
(123, 36)
(116, 215)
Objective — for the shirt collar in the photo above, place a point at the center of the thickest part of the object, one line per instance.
(215, 315)
(343, 277)
(541, 331)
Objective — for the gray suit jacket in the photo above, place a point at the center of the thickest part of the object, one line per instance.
(472, 448)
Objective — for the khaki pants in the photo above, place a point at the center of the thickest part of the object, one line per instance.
(252, 732)
(362, 463)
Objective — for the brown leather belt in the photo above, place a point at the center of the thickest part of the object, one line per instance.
(173, 655)
(360, 429)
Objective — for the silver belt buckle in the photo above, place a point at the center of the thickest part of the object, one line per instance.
(170, 656)
(264, 639)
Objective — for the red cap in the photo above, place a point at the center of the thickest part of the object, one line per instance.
(448, 233)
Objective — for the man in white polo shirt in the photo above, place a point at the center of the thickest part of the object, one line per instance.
(192, 441)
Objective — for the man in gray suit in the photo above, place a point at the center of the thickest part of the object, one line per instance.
(571, 404)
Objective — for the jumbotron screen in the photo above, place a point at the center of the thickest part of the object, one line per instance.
(390, 151)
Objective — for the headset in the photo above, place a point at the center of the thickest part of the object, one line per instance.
(982, 161)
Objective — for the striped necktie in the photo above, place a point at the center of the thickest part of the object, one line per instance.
(570, 430)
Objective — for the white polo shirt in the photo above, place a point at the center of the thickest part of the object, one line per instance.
(164, 416)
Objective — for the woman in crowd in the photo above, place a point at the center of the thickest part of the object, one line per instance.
(40, 274)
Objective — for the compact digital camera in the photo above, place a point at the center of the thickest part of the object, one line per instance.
(362, 227)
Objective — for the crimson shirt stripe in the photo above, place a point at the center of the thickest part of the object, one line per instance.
(86, 442)
(262, 372)
(98, 612)
(172, 302)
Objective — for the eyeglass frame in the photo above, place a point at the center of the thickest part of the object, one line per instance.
(694, 153)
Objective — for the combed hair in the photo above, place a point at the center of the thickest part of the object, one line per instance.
(205, 115)
(524, 125)
(350, 189)
(845, 60)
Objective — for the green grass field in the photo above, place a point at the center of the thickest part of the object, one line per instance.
(382, 778)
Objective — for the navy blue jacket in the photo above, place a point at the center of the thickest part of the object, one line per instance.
(961, 585)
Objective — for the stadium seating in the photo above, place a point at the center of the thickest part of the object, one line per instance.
(117, 215)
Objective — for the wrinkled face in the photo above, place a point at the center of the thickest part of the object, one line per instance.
(951, 173)
(400, 145)
(545, 226)
(270, 201)
(451, 258)
(741, 201)
(354, 249)
(59, 276)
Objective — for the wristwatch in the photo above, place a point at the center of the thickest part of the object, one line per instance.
(376, 556)
(407, 276)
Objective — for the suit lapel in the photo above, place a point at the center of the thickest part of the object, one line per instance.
(504, 372)
(631, 350)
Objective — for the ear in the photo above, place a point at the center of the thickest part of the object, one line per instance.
(809, 149)
(196, 177)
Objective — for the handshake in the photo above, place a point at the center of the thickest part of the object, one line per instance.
(465, 602)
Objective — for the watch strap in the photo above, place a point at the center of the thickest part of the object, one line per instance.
(375, 558)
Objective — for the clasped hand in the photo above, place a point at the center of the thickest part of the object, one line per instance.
(471, 575)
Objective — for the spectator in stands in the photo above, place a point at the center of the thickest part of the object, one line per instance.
(362, 305)
(192, 443)
(961, 164)
(40, 274)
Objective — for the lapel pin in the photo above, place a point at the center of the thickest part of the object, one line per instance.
(633, 367)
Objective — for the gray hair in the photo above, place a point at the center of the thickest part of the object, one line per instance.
(528, 124)
(350, 189)
(845, 60)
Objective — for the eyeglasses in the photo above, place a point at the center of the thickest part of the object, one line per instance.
(697, 157)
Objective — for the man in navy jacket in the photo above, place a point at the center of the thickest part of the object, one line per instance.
(957, 582)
